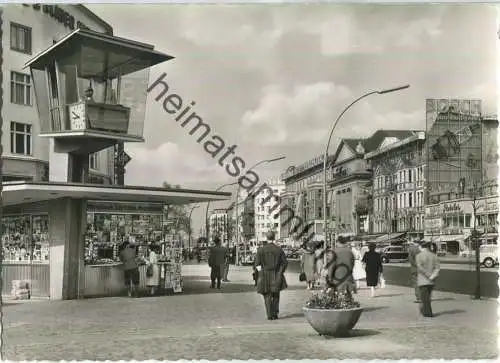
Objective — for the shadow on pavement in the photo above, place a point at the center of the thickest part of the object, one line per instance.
(374, 308)
(356, 333)
(292, 316)
(389, 295)
(450, 312)
(445, 299)
(194, 285)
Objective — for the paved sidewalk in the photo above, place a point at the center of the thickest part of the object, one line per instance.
(230, 324)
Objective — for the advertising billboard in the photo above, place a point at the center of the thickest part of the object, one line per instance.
(453, 147)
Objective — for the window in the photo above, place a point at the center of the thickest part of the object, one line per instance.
(20, 38)
(410, 200)
(94, 161)
(20, 138)
(468, 219)
(20, 88)
(410, 174)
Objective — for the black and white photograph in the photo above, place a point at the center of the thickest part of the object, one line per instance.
(249, 181)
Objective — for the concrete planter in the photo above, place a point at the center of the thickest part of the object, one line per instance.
(332, 322)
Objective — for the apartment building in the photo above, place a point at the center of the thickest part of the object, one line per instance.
(28, 29)
(266, 218)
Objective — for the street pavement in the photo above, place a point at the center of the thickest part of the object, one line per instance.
(450, 266)
(230, 324)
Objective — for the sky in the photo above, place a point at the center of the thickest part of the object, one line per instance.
(272, 78)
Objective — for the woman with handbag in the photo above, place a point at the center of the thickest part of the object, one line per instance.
(153, 269)
(308, 261)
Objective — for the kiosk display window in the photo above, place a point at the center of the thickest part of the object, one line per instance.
(25, 238)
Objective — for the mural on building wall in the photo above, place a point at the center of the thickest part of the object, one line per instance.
(454, 146)
(490, 151)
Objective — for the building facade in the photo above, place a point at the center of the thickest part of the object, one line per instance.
(303, 198)
(27, 30)
(219, 224)
(398, 185)
(265, 217)
(462, 149)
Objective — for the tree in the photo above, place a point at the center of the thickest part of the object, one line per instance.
(176, 216)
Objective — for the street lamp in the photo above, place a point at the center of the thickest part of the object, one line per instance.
(190, 229)
(267, 161)
(208, 206)
(325, 160)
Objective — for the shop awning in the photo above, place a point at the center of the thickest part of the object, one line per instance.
(389, 237)
(490, 235)
(15, 193)
(451, 237)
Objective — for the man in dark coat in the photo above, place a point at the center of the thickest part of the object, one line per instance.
(413, 251)
(216, 261)
(271, 263)
(344, 267)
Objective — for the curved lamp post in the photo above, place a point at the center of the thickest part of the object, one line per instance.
(207, 233)
(267, 161)
(190, 229)
(325, 160)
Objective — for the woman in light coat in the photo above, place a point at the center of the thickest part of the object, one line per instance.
(358, 272)
(153, 281)
(319, 255)
(308, 262)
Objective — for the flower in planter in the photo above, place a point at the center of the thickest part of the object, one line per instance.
(332, 299)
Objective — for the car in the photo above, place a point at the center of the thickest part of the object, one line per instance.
(488, 255)
(394, 253)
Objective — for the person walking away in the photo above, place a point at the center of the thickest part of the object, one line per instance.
(328, 270)
(128, 257)
(358, 271)
(373, 267)
(198, 255)
(227, 262)
(308, 262)
(345, 265)
(271, 263)
(413, 251)
(428, 271)
(153, 281)
(216, 261)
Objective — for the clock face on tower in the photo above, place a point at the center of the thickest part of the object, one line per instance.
(77, 116)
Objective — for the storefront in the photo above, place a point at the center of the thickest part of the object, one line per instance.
(451, 222)
(32, 227)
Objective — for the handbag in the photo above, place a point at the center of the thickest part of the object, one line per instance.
(302, 277)
(149, 271)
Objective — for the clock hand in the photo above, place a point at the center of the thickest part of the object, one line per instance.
(75, 115)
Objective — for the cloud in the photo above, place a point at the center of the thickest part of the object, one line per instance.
(170, 163)
(292, 117)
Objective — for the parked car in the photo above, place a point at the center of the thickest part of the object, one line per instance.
(394, 253)
(488, 255)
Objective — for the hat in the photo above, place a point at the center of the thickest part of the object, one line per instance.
(216, 238)
(270, 235)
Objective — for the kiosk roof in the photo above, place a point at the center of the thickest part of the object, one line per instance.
(15, 193)
(122, 56)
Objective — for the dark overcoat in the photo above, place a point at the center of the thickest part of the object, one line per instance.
(273, 263)
(373, 267)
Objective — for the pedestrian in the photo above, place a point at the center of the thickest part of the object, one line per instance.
(198, 255)
(216, 261)
(153, 277)
(128, 257)
(344, 267)
(227, 262)
(428, 271)
(271, 262)
(319, 256)
(328, 269)
(358, 271)
(308, 261)
(373, 267)
(413, 251)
